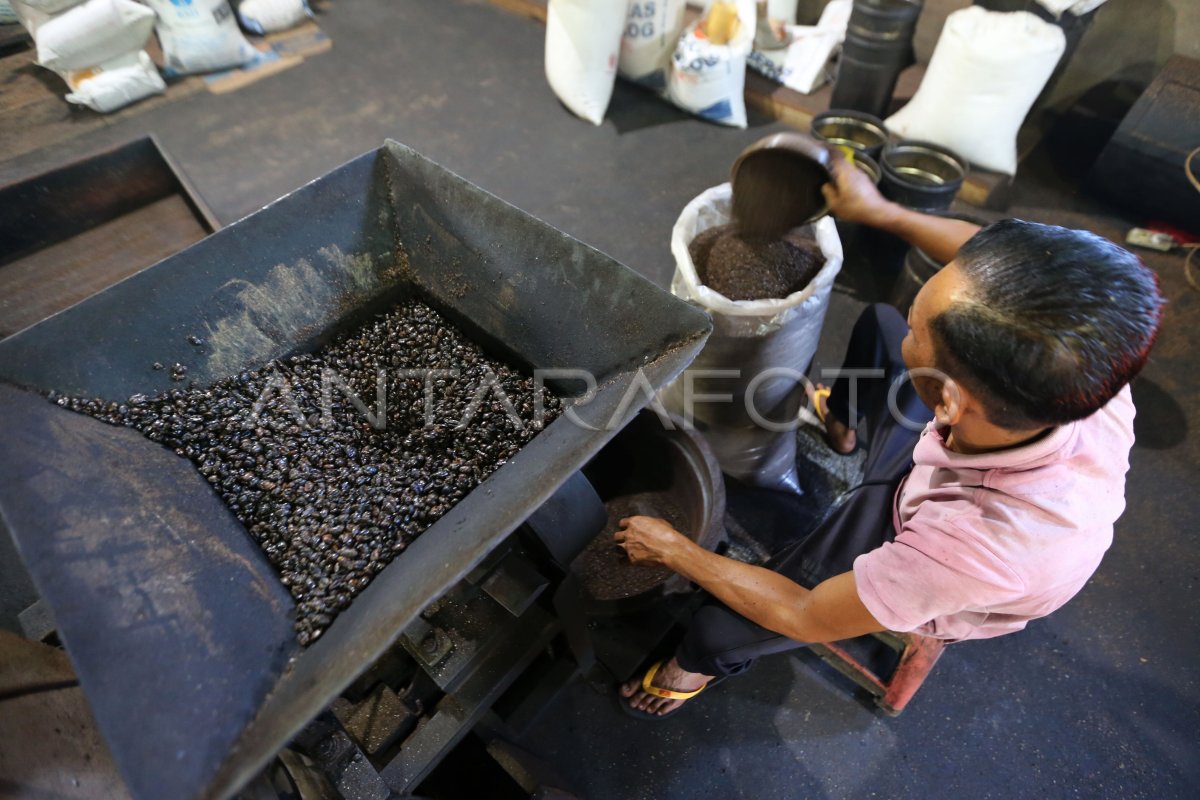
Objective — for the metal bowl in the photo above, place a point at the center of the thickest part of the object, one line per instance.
(862, 133)
(664, 468)
(924, 164)
(791, 168)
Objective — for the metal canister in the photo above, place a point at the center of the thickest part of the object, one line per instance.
(860, 132)
(922, 175)
(919, 267)
(869, 166)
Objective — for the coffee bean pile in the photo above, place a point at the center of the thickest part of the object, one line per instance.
(330, 493)
(744, 268)
(603, 568)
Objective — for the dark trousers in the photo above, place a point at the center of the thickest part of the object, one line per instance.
(721, 642)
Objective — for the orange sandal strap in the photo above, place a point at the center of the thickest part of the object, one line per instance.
(816, 400)
(666, 694)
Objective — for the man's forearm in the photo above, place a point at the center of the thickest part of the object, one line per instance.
(760, 595)
(939, 237)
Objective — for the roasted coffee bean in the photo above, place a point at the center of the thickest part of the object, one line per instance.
(328, 497)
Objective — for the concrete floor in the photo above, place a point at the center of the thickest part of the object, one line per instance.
(1097, 701)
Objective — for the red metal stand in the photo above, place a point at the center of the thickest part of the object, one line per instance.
(918, 654)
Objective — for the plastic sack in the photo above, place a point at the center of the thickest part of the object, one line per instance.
(986, 71)
(652, 29)
(1076, 7)
(116, 83)
(709, 79)
(30, 18)
(804, 64)
(50, 6)
(783, 9)
(750, 336)
(269, 16)
(199, 36)
(92, 33)
(583, 43)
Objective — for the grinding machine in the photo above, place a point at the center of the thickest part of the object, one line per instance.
(177, 626)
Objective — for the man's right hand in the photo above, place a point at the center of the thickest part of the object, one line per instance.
(853, 197)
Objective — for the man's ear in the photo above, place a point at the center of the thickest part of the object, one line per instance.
(955, 401)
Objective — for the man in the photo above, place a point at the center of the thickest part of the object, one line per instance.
(999, 510)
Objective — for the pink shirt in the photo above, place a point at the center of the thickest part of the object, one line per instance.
(987, 542)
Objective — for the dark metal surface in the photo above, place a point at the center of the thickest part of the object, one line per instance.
(282, 280)
(878, 46)
(483, 679)
(566, 522)
(1142, 167)
(145, 568)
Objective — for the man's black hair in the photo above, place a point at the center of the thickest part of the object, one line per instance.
(1054, 323)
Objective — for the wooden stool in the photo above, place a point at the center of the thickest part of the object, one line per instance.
(918, 654)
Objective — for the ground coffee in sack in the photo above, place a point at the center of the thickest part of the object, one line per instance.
(768, 342)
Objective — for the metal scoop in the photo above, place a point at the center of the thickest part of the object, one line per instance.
(777, 184)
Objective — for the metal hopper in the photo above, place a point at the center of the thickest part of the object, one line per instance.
(177, 626)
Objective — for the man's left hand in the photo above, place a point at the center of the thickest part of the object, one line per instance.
(649, 540)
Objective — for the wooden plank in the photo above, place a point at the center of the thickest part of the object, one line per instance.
(280, 51)
(49, 744)
(534, 9)
(27, 666)
(61, 275)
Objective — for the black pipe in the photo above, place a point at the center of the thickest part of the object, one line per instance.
(878, 47)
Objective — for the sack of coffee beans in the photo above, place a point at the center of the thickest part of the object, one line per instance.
(768, 342)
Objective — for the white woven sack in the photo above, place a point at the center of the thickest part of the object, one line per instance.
(652, 29)
(750, 318)
(804, 64)
(269, 16)
(583, 43)
(92, 33)
(750, 336)
(985, 73)
(116, 83)
(30, 18)
(1076, 7)
(709, 80)
(51, 6)
(199, 36)
(782, 9)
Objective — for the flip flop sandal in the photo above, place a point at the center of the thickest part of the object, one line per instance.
(667, 694)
